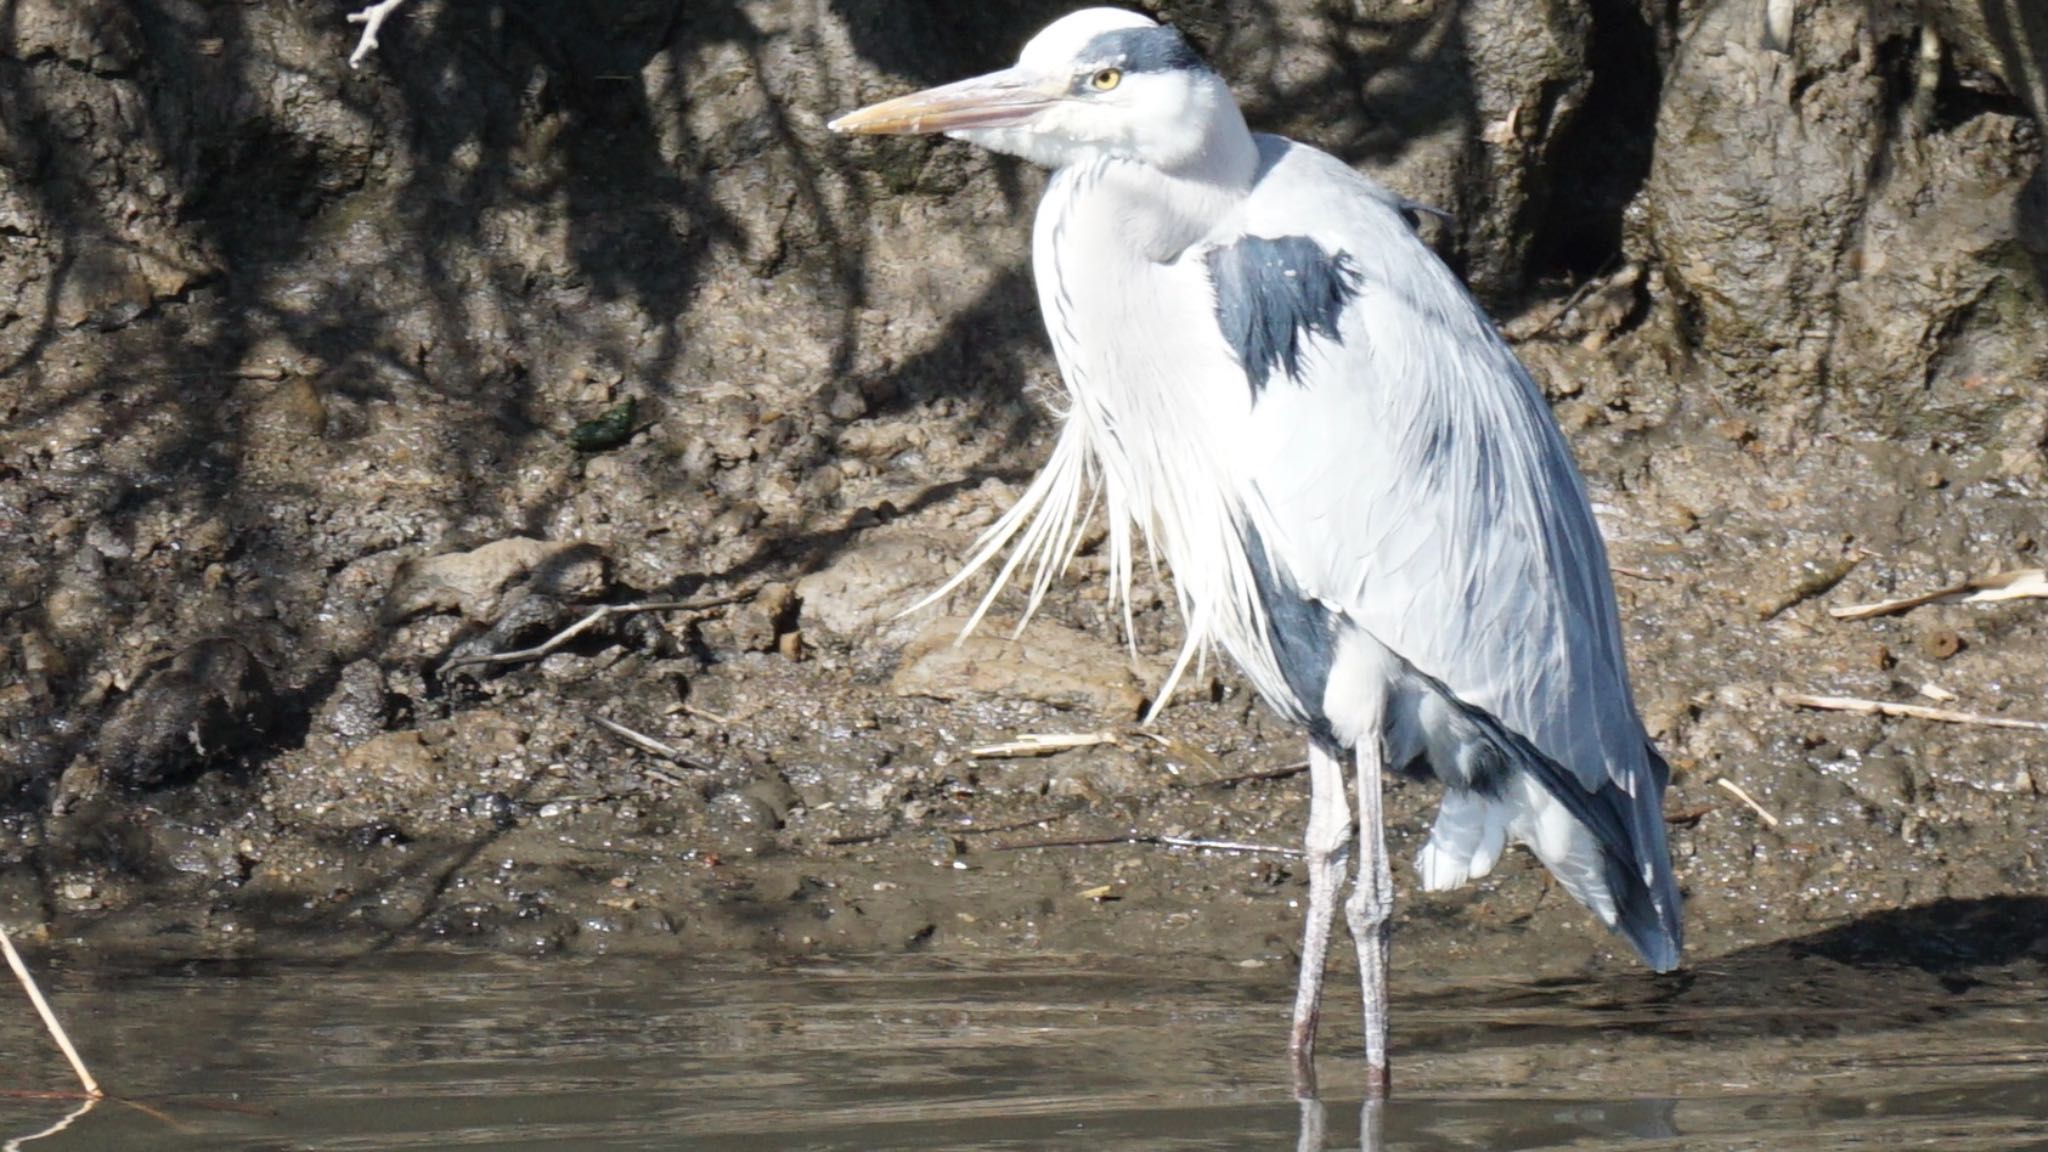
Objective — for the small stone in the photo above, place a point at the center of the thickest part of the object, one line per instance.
(355, 708)
(299, 405)
(755, 626)
(108, 542)
(1940, 643)
(847, 405)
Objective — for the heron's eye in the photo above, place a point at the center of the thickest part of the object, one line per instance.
(1106, 79)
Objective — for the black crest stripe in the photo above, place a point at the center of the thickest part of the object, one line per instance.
(1159, 49)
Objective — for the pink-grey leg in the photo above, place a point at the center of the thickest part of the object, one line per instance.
(1328, 845)
(1370, 909)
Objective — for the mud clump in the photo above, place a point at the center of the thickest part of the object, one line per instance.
(207, 704)
(299, 364)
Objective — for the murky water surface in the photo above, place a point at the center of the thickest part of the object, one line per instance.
(484, 1052)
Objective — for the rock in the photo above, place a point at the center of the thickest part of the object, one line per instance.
(206, 704)
(294, 413)
(355, 710)
(862, 591)
(1091, 774)
(774, 793)
(474, 582)
(77, 606)
(1050, 664)
(398, 767)
(43, 664)
(756, 625)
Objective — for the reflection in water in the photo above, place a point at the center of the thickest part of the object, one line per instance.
(16, 1143)
(485, 1052)
(1509, 1124)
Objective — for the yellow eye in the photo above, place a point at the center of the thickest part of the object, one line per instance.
(1106, 79)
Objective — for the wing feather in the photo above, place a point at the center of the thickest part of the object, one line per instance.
(1412, 476)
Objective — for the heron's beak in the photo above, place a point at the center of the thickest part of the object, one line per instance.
(997, 100)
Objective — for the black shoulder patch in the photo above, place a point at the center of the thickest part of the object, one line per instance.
(1271, 293)
(1303, 633)
(1157, 49)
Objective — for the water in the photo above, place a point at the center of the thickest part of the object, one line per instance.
(1771, 1051)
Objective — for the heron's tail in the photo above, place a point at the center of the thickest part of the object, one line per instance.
(1604, 844)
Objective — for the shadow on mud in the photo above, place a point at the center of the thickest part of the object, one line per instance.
(1897, 969)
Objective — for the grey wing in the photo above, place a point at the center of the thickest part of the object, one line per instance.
(1406, 474)
(1410, 475)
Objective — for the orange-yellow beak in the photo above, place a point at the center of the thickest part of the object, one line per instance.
(997, 100)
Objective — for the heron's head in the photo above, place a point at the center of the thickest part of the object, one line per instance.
(1098, 81)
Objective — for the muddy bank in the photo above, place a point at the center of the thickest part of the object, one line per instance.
(315, 385)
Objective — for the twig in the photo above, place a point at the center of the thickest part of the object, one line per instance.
(1813, 583)
(1910, 711)
(1690, 816)
(1019, 825)
(1041, 744)
(859, 838)
(719, 719)
(1578, 296)
(35, 997)
(600, 614)
(2019, 584)
(649, 744)
(1294, 769)
(1735, 790)
(372, 19)
(1165, 841)
(1188, 755)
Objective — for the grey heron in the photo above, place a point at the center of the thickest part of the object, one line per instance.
(1361, 495)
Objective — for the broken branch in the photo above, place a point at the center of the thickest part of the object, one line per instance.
(1735, 790)
(604, 612)
(649, 744)
(1864, 707)
(1041, 744)
(1294, 769)
(2019, 584)
(42, 1006)
(1163, 841)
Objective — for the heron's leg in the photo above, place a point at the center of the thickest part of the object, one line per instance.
(1329, 849)
(1370, 907)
